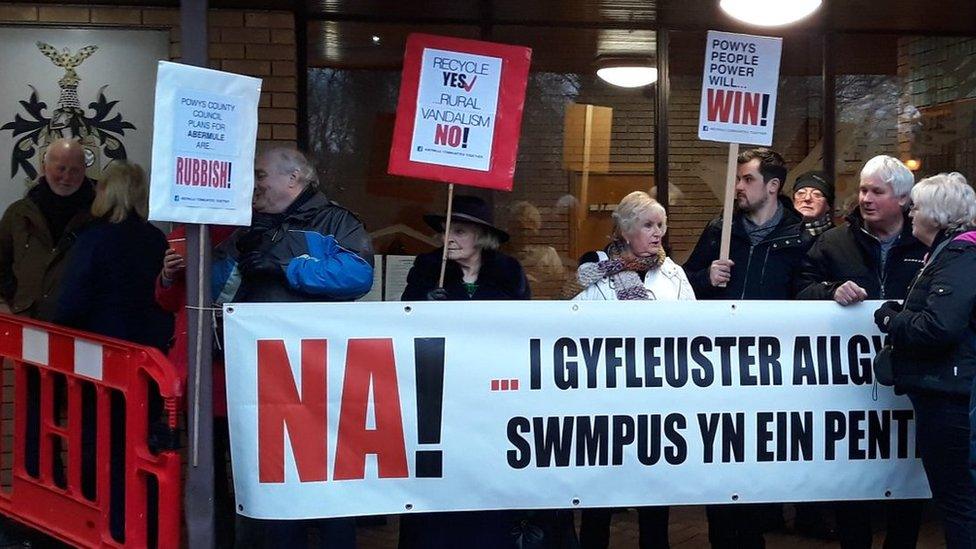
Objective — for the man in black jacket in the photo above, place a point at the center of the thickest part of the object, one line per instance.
(767, 245)
(873, 256)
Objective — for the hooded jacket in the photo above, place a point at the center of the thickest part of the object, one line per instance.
(767, 270)
(31, 261)
(851, 253)
(934, 336)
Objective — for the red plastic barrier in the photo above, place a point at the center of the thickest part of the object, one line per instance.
(87, 416)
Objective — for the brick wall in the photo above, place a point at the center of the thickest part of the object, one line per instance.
(255, 43)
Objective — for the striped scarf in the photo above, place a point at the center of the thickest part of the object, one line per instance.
(623, 272)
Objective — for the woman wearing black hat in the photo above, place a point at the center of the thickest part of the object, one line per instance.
(476, 270)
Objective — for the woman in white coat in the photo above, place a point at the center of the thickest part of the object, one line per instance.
(633, 266)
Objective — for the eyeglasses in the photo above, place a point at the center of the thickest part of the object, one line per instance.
(806, 193)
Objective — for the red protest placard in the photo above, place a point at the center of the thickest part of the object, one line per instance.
(460, 111)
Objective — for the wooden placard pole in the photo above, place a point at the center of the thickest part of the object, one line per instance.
(447, 233)
(584, 197)
(731, 170)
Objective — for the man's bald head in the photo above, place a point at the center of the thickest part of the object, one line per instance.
(64, 166)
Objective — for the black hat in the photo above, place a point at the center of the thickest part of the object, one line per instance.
(469, 209)
(817, 180)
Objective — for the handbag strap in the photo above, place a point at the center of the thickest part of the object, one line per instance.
(929, 261)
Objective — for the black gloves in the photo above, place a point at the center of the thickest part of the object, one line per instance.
(259, 265)
(884, 314)
(437, 294)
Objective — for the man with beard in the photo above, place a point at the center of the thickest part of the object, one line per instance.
(767, 242)
(767, 245)
(873, 256)
(37, 231)
(36, 234)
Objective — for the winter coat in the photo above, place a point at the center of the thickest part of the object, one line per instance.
(768, 270)
(108, 283)
(851, 253)
(172, 299)
(666, 283)
(31, 262)
(934, 336)
(324, 252)
(500, 277)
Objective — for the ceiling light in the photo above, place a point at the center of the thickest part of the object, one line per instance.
(376, 39)
(627, 72)
(769, 13)
(913, 164)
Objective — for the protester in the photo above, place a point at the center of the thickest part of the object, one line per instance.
(109, 279)
(767, 242)
(767, 245)
(36, 234)
(108, 289)
(873, 256)
(934, 346)
(633, 266)
(813, 198)
(37, 231)
(301, 247)
(171, 296)
(475, 271)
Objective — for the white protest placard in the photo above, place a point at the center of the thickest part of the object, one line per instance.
(739, 83)
(457, 102)
(204, 134)
(375, 408)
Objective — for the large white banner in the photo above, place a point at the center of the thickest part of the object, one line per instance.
(739, 83)
(375, 408)
(206, 125)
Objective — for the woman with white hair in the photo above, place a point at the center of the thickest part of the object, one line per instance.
(934, 346)
(633, 266)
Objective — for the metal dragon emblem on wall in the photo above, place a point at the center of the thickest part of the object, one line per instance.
(98, 134)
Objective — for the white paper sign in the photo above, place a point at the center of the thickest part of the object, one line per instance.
(376, 408)
(739, 82)
(203, 145)
(457, 100)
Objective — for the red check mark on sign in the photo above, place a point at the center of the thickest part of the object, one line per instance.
(471, 85)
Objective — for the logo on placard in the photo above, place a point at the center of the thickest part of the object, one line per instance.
(98, 133)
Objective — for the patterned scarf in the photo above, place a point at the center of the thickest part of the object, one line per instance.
(623, 272)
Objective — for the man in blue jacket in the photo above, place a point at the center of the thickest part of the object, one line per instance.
(300, 247)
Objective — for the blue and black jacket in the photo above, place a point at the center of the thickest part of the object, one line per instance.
(323, 249)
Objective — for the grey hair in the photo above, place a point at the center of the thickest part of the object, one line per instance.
(627, 214)
(890, 170)
(485, 239)
(947, 199)
(287, 160)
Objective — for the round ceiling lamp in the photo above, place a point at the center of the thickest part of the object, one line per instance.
(769, 13)
(627, 72)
